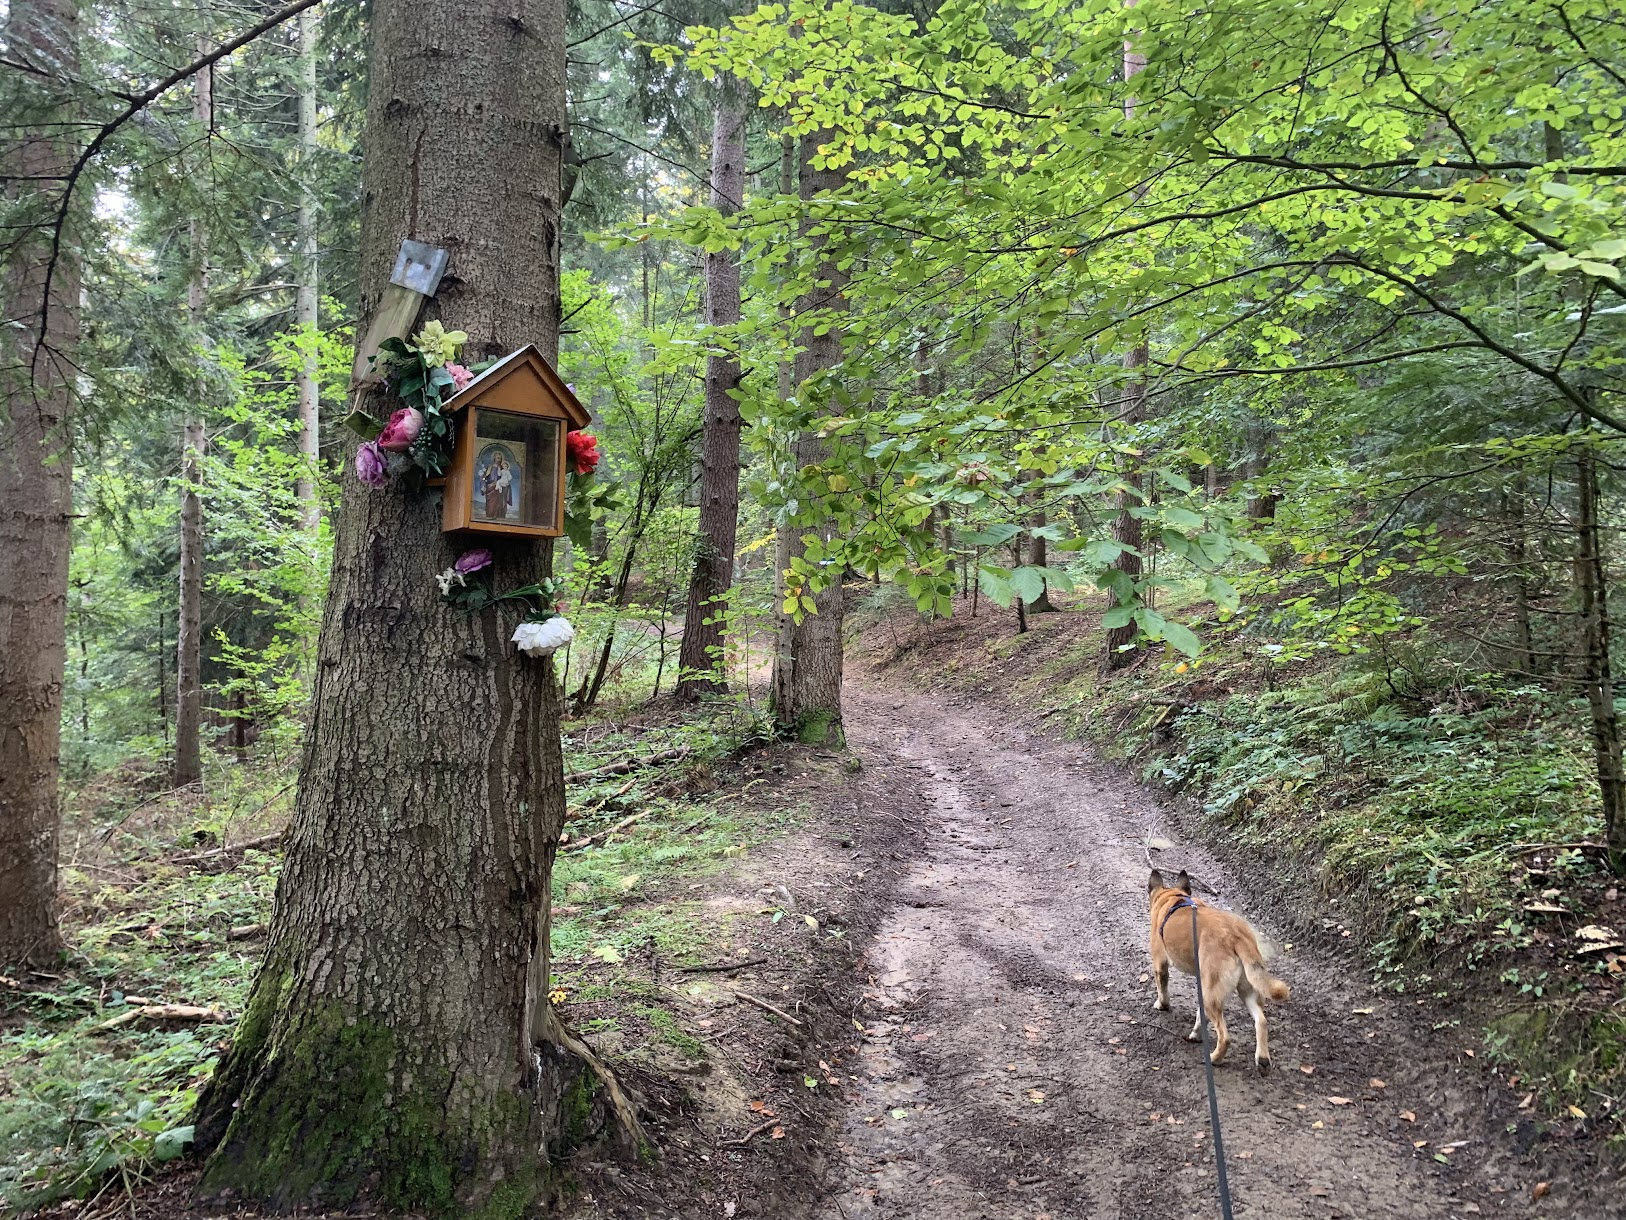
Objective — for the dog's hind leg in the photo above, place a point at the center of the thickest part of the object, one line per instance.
(1216, 1017)
(1261, 1037)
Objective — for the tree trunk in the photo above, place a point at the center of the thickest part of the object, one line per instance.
(1592, 583)
(307, 304)
(1523, 656)
(1126, 530)
(36, 473)
(399, 1037)
(700, 655)
(188, 766)
(807, 662)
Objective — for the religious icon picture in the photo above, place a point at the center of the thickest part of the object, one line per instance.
(499, 472)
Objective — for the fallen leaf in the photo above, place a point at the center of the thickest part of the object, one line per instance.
(1596, 932)
(1471, 1209)
(1362, 1012)
(630, 880)
(1409, 1116)
(1036, 1096)
(1540, 1189)
(1527, 1101)
(778, 1133)
(1419, 1143)
(1317, 1125)
(1577, 1112)
(1340, 1101)
(1307, 1068)
(1375, 1083)
(1469, 1052)
(900, 1112)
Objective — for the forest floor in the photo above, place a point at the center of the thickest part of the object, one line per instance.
(950, 920)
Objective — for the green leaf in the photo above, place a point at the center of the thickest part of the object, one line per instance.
(168, 1145)
(1028, 583)
(1183, 638)
(1118, 616)
(994, 535)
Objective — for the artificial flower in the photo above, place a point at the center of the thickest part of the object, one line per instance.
(540, 639)
(470, 562)
(460, 376)
(402, 430)
(448, 578)
(582, 448)
(371, 466)
(436, 344)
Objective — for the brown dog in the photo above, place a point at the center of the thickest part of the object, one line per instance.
(1232, 961)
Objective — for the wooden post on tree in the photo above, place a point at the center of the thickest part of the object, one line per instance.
(399, 1039)
(700, 661)
(41, 302)
(807, 661)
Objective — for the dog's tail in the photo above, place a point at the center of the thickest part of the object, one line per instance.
(1259, 978)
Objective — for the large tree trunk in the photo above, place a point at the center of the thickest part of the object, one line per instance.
(1592, 583)
(399, 1038)
(807, 663)
(36, 481)
(306, 305)
(1126, 530)
(188, 767)
(700, 657)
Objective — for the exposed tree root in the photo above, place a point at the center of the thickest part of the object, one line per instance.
(558, 1034)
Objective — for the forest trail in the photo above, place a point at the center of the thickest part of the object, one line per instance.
(1008, 1012)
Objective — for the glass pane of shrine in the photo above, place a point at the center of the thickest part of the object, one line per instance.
(516, 469)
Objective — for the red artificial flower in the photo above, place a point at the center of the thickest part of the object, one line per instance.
(582, 450)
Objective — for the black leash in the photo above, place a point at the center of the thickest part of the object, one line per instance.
(1208, 1066)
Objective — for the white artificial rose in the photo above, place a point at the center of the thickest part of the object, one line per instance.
(540, 639)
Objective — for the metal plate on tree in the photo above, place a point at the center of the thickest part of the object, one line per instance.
(419, 267)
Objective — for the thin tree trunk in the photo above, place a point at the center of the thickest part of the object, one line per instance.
(807, 663)
(1523, 651)
(1592, 583)
(36, 475)
(1126, 529)
(398, 1038)
(188, 767)
(700, 652)
(306, 305)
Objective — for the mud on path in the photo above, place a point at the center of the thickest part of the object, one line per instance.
(1013, 1066)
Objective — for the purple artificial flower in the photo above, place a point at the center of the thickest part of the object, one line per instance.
(370, 465)
(470, 562)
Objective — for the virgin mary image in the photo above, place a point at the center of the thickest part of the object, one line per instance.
(496, 485)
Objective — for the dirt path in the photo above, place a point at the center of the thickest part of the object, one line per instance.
(1013, 1065)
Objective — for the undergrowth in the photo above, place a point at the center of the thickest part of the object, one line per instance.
(85, 1110)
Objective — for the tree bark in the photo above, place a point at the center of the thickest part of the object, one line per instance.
(188, 765)
(307, 304)
(807, 662)
(398, 1038)
(1126, 529)
(1592, 584)
(36, 472)
(700, 659)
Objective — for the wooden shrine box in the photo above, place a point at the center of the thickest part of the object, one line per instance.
(508, 457)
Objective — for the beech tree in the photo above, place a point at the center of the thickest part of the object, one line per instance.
(40, 296)
(399, 1037)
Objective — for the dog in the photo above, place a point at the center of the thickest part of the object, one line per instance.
(1233, 960)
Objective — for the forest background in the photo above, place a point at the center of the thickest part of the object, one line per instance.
(1280, 350)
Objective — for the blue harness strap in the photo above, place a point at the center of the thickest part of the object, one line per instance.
(1184, 902)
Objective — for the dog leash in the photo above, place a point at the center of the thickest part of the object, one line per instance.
(1208, 1066)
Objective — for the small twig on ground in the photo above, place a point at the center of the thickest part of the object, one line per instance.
(247, 931)
(215, 853)
(720, 966)
(571, 815)
(767, 1007)
(160, 1012)
(754, 1131)
(578, 844)
(629, 764)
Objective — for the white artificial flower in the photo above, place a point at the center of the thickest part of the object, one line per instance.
(448, 578)
(540, 639)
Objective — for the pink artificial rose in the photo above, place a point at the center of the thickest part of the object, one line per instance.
(460, 375)
(371, 466)
(402, 430)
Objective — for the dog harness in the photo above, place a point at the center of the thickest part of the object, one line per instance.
(1184, 902)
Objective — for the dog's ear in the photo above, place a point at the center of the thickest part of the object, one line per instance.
(1183, 882)
(1155, 882)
